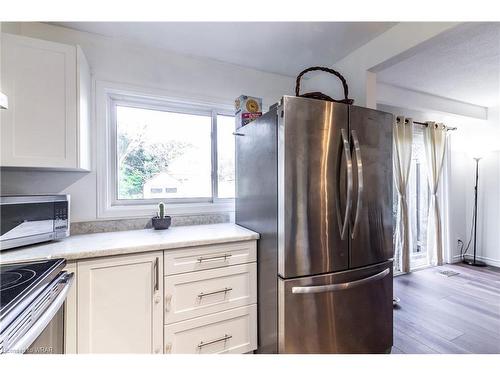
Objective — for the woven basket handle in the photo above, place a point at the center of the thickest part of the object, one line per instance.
(319, 95)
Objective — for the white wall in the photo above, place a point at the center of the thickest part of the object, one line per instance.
(460, 174)
(120, 61)
(423, 102)
(360, 66)
(489, 190)
(482, 138)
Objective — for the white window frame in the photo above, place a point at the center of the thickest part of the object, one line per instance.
(108, 96)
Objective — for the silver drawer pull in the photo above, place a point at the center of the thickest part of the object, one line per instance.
(225, 290)
(203, 343)
(214, 258)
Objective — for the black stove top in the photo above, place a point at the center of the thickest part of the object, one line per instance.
(21, 282)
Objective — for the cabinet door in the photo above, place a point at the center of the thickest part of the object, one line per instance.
(84, 83)
(120, 304)
(70, 312)
(40, 127)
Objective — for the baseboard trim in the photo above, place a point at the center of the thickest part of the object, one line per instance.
(489, 261)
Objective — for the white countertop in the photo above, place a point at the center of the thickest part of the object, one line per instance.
(133, 241)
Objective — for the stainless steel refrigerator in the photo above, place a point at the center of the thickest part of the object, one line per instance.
(314, 178)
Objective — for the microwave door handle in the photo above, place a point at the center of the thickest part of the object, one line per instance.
(344, 146)
(42, 322)
(359, 167)
(340, 286)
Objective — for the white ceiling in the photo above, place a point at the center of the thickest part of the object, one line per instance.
(277, 47)
(463, 64)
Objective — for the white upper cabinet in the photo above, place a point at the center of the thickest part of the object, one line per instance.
(47, 124)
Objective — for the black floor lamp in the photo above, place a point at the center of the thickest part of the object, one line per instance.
(473, 261)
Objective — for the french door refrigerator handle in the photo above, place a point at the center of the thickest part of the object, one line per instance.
(340, 286)
(359, 166)
(343, 224)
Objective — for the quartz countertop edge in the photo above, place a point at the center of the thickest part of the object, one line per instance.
(95, 245)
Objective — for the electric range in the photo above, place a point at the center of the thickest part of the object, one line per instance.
(31, 294)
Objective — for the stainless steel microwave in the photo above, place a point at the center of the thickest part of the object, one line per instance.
(29, 219)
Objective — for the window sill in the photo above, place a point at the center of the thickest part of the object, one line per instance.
(178, 209)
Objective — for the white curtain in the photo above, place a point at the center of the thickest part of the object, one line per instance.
(403, 140)
(435, 145)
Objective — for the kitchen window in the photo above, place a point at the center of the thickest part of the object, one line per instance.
(167, 154)
(178, 152)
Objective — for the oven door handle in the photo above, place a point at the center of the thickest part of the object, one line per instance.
(29, 337)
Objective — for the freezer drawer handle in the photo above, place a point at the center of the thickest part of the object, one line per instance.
(239, 134)
(341, 286)
(225, 290)
(224, 338)
(223, 257)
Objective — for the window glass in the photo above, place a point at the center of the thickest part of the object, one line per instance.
(225, 156)
(418, 201)
(162, 154)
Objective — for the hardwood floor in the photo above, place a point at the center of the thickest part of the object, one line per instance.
(452, 315)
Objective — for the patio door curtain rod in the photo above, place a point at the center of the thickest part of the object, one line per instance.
(425, 124)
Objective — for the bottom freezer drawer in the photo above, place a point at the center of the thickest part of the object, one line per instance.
(343, 312)
(230, 331)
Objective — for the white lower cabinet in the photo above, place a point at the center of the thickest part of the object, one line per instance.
(70, 312)
(230, 331)
(194, 300)
(210, 299)
(192, 294)
(201, 258)
(120, 304)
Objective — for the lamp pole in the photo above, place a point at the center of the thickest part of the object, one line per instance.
(474, 262)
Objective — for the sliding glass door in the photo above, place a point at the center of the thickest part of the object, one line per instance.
(418, 204)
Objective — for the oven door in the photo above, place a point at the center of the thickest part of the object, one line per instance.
(51, 340)
(46, 335)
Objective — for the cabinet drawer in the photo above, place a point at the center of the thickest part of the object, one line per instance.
(207, 257)
(231, 331)
(190, 295)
